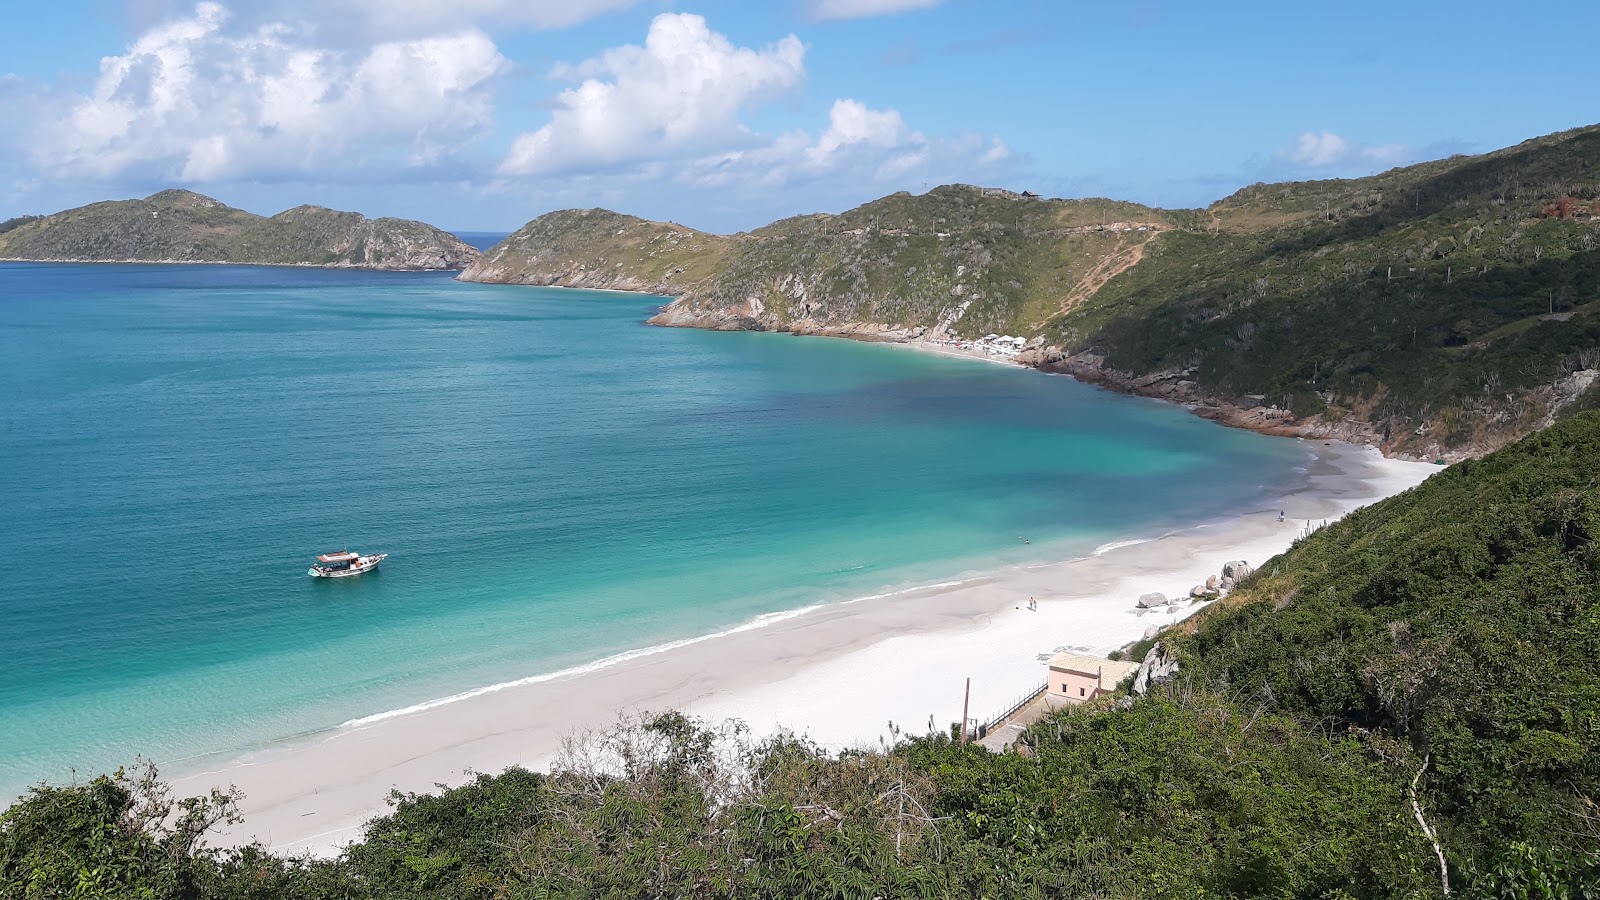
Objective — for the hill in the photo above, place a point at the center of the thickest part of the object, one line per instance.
(601, 250)
(1439, 310)
(1414, 685)
(182, 226)
(1448, 306)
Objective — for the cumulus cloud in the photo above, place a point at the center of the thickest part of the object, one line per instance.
(851, 123)
(1326, 150)
(677, 96)
(869, 148)
(828, 10)
(671, 113)
(428, 14)
(339, 21)
(193, 100)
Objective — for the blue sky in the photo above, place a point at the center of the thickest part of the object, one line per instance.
(481, 114)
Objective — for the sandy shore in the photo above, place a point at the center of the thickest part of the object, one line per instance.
(839, 673)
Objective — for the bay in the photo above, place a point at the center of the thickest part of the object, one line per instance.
(555, 481)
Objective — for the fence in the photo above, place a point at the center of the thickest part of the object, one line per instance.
(1024, 700)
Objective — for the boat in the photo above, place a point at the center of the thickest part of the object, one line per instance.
(344, 564)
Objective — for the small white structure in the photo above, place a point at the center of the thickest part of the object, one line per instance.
(1077, 678)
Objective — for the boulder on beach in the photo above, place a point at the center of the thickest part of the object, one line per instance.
(1238, 570)
(1152, 631)
(1152, 600)
(1199, 591)
(1211, 583)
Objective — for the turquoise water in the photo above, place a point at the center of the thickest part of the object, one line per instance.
(555, 481)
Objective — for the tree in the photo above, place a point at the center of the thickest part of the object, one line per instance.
(119, 835)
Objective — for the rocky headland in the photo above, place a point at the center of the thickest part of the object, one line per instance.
(176, 226)
(1437, 311)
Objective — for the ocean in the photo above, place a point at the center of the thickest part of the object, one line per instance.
(556, 482)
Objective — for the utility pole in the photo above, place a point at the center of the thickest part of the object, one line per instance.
(967, 698)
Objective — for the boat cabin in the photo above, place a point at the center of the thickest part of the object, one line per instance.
(341, 560)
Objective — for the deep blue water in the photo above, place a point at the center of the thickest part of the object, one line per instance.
(483, 240)
(555, 482)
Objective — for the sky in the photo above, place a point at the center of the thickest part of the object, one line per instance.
(478, 115)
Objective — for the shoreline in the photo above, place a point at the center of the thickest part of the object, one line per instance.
(836, 672)
(216, 262)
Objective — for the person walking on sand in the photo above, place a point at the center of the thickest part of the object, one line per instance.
(1033, 605)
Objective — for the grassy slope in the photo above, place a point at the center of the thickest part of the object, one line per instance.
(915, 260)
(591, 245)
(1419, 298)
(1460, 619)
(1436, 306)
(184, 226)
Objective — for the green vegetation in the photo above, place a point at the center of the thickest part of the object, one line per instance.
(968, 259)
(181, 226)
(1430, 659)
(16, 222)
(1435, 304)
(1440, 309)
(600, 249)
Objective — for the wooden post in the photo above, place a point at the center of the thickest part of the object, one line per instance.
(965, 699)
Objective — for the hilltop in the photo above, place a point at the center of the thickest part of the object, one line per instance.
(1406, 696)
(1438, 310)
(601, 250)
(182, 226)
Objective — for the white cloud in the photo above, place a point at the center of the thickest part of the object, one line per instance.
(338, 22)
(1326, 150)
(827, 10)
(851, 123)
(873, 150)
(679, 95)
(998, 152)
(669, 115)
(428, 14)
(196, 101)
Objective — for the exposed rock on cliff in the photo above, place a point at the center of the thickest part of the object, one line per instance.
(1436, 311)
(182, 226)
(1159, 667)
(602, 250)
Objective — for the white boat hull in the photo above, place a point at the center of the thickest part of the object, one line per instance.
(363, 564)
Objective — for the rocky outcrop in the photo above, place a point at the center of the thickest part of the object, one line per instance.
(1159, 667)
(185, 227)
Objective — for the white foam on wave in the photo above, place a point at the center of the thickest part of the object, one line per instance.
(762, 621)
(1114, 545)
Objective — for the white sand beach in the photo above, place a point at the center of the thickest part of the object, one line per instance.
(838, 673)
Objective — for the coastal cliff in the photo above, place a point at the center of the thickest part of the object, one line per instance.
(182, 226)
(1437, 311)
(601, 250)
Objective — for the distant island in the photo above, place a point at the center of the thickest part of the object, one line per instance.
(182, 226)
(1438, 310)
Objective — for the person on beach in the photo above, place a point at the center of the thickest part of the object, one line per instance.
(1280, 515)
(1033, 605)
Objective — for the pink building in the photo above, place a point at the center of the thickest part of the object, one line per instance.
(1077, 678)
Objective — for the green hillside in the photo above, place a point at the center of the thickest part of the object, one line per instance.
(597, 248)
(1440, 310)
(957, 260)
(1440, 305)
(182, 226)
(1417, 680)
